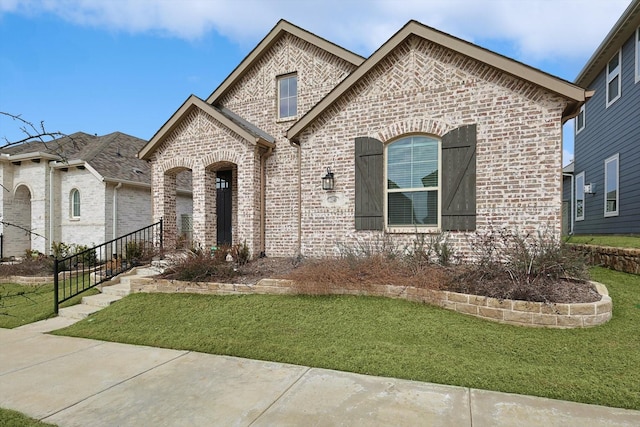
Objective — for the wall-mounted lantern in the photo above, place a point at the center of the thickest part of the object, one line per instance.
(328, 181)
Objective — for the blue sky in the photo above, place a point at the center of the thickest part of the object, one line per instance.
(127, 65)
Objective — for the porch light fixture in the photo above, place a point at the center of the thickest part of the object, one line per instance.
(327, 180)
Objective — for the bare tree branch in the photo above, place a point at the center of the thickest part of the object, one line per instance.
(26, 230)
(32, 133)
(38, 134)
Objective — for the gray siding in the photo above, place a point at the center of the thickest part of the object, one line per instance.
(610, 131)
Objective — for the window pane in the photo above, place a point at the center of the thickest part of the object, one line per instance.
(288, 93)
(613, 88)
(293, 85)
(413, 208)
(580, 197)
(613, 63)
(284, 110)
(76, 203)
(412, 163)
(580, 120)
(611, 190)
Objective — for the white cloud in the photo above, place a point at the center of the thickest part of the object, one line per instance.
(567, 157)
(535, 28)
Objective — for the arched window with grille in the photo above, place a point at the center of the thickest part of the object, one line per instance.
(75, 203)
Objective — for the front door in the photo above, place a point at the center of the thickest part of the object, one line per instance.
(223, 207)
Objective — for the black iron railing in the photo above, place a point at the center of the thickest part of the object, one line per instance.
(86, 269)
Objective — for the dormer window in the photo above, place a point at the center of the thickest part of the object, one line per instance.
(287, 96)
(613, 79)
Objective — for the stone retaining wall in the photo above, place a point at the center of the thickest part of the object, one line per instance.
(27, 280)
(620, 259)
(513, 312)
(44, 280)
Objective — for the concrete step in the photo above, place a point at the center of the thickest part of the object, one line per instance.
(100, 300)
(121, 289)
(78, 311)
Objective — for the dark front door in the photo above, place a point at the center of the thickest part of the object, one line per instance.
(223, 207)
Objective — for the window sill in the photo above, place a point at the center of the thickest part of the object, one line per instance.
(287, 119)
(610, 103)
(75, 218)
(610, 214)
(412, 230)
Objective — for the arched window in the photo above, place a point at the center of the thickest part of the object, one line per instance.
(75, 203)
(413, 181)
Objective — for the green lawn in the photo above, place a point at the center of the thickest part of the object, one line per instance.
(22, 304)
(395, 338)
(606, 240)
(10, 418)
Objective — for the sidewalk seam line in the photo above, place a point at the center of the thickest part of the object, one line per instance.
(285, 391)
(52, 359)
(470, 409)
(114, 385)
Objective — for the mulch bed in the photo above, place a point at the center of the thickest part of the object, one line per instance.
(317, 276)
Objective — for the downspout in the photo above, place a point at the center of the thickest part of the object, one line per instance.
(298, 146)
(51, 209)
(263, 201)
(115, 210)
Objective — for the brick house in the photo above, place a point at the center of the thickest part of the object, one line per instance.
(81, 189)
(465, 139)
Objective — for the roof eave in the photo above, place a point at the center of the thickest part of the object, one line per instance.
(617, 36)
(554, 84)
(29, 156)
(195, 102)
(127, 182)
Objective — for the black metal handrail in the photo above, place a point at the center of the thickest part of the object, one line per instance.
(86, 269)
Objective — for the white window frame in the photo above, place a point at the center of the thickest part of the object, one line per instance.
(613, 158)
(612, 74)
(413, 228)
(584, 123)
(279, 79)
(72, 210)
(638, 55)
(579, 189)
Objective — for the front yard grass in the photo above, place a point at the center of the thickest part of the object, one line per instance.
(615, 241)
(9, 418)
(395, 338)
(22, 304)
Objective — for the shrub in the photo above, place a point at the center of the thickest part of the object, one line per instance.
(38, 265)
(201, 267)
(509, 264)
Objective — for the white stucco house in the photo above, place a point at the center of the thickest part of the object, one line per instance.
(80, 189)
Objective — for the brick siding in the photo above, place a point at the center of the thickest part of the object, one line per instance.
(419, 88)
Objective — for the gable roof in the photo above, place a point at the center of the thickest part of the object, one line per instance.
(111, 157)
(554, 84)
(254, 56)
(229, 119)
(619, 34)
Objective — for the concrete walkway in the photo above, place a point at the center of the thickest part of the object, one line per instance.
(81, 382)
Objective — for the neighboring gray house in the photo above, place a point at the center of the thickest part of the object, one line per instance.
(429, 134)
(81, 189)
(606, 180)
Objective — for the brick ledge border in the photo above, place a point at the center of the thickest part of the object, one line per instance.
(513, 312)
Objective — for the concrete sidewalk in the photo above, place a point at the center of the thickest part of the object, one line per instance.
(80, 382)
